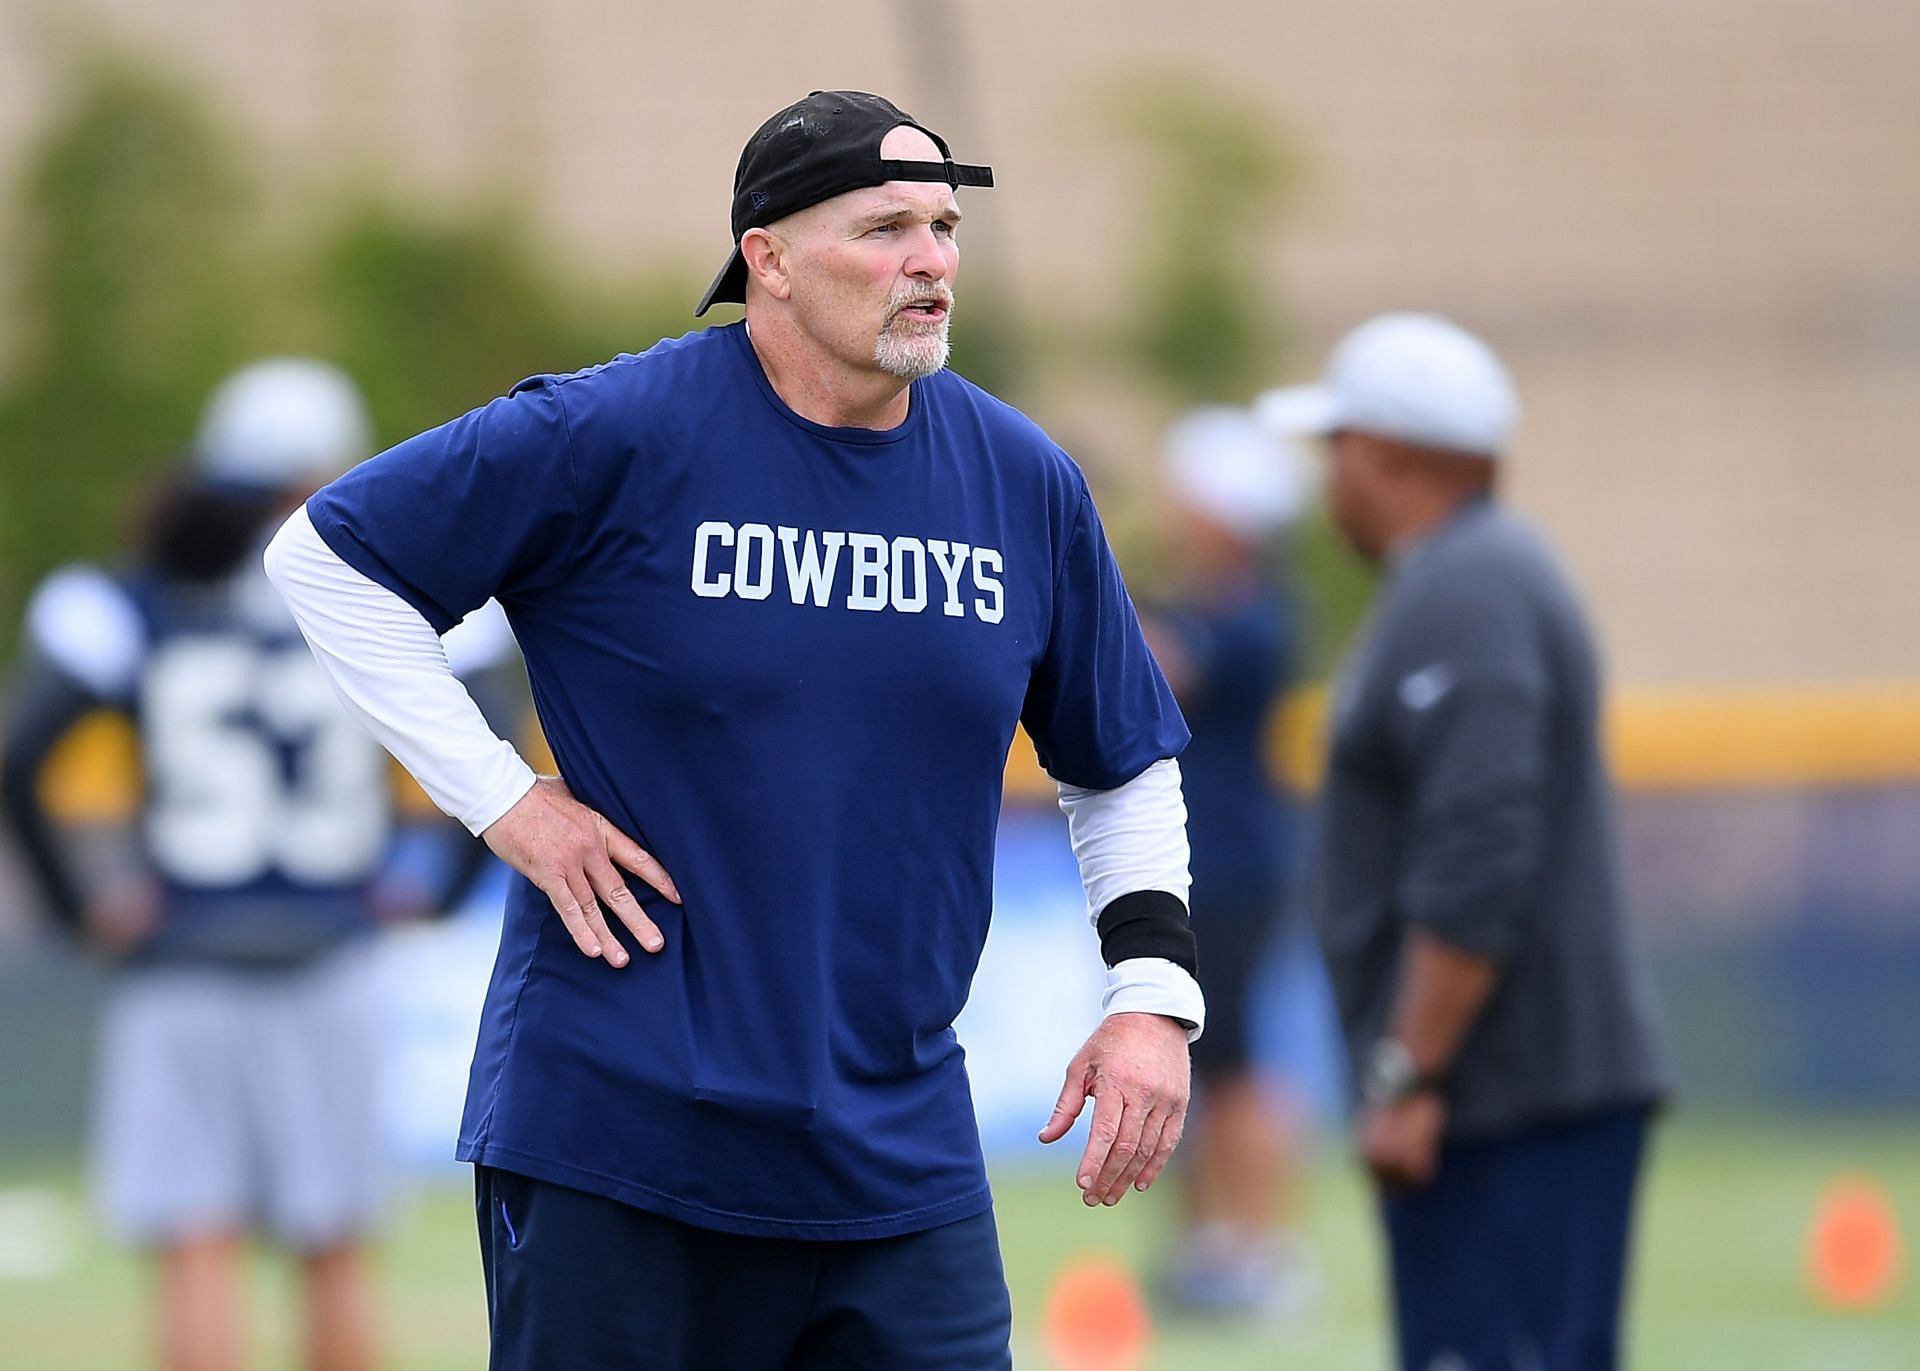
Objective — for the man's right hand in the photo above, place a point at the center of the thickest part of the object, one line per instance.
(569, 851)
(1400, 1142)
(121, 920)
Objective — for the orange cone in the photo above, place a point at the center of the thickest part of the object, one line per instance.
(1096, 1319)
(1853, 1248)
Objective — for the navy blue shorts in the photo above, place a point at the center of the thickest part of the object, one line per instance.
(1515, 1258)
(584, 1283)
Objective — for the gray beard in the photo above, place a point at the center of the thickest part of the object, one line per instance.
(911, 356)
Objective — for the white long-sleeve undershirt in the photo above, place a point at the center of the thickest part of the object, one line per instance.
(391, 670)
(1128, 839)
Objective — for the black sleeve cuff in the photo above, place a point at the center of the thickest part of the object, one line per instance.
(1148, 923)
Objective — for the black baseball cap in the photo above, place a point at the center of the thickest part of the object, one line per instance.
(813, 150)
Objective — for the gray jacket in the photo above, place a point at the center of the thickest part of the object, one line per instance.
(1466, 795)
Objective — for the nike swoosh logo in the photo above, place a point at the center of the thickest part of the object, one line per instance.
(1425, 688)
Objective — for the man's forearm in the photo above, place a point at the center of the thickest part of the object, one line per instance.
(1442, 991)
(1131, 845)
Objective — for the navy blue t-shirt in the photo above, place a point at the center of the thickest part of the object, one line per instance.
(788, 659)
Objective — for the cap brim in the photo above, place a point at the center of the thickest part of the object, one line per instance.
(729, 287)
(1298, 411)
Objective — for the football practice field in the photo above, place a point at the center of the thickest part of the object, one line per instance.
(1721, 1282)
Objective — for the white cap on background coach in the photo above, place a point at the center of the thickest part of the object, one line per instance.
(1222, 463)
(1414, 377)
(284, 422)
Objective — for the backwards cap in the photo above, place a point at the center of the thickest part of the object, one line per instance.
(813, 150)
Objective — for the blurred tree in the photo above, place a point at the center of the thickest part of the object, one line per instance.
(1219, 174)
(1207, 321)
(130, 227)
(437, 315)
(144, 276)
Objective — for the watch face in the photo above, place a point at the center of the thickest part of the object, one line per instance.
(1391, 1073)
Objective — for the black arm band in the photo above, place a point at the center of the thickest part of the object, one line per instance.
(1148, 923)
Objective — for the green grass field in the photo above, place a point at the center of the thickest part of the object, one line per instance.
(1719, 1284)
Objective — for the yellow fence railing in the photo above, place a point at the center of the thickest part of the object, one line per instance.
(1659, 738)
(1669, 738)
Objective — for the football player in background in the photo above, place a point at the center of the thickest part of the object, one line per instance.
(1226, 631)
(236, 1084)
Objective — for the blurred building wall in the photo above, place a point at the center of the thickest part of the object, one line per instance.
(1692, 228)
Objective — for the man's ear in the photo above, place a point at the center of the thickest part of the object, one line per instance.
(765, 254)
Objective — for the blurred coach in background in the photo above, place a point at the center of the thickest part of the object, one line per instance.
(1469, 899)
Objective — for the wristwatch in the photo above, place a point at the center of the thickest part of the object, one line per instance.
(1392, 1076)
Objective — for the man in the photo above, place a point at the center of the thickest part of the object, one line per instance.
(237, 1074)
(784, 589)
(1226, 633)
(1469, 901)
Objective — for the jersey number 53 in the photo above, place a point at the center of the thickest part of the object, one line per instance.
(254, 768)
